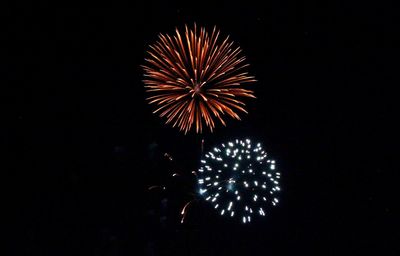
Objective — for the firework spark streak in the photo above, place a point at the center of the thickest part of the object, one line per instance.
(239, 180)
(184, 211)
(195, 79)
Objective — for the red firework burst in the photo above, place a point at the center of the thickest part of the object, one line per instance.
(196, 78)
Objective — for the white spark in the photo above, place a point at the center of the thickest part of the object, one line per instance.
(237, 158)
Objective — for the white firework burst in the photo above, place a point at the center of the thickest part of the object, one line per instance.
(239, 180)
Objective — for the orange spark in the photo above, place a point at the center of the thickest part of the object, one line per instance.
(195, 79)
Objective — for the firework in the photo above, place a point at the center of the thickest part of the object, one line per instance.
(195, 79)
(239, 180)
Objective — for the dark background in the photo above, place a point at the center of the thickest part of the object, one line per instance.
(82, 145)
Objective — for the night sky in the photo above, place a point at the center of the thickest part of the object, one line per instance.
(82, 144)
